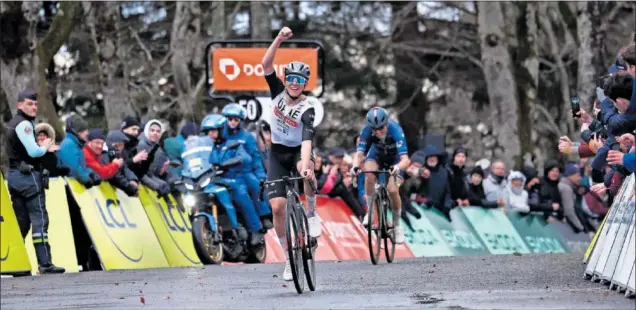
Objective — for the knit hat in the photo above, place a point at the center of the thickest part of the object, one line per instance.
(460, 149)
(189, 129)
(477, 170)
(337, 152)
(116, 136)
(96, 134)
(128, 122)
(571, 169)
(418, 157)
(76, 124)
(530, 172)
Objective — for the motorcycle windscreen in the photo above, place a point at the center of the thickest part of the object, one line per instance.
(196, 156)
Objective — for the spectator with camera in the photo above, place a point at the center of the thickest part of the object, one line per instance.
(71, 154)
(572, 200)
(137, 160)
(332, 182)
(533, 187)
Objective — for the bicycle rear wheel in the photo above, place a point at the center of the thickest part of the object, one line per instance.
(374, 228)
(388, 233)
(309, 263)
(294, 248)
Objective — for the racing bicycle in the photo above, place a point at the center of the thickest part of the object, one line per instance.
(300, 245)
(378, 228)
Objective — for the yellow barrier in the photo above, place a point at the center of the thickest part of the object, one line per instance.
(586, 257)
(172, 227)
(13, 256)
(121, 232)
(60, 230)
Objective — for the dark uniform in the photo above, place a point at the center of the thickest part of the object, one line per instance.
(26, 181)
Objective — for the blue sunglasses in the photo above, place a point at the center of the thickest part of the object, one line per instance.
(296, 79)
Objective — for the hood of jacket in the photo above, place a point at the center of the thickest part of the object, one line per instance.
(147, 128)
(513, 176)
(431, 150)
(47, 128)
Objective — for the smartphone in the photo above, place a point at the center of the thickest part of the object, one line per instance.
(576, 107)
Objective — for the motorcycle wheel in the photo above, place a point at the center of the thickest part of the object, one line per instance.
(209, 253)
(257, 255)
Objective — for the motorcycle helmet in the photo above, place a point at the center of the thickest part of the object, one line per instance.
(377, 117)
(234, 110)
(213, 121)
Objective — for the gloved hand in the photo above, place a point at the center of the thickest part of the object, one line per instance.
(95, 178)
(131, 190)
(354, 171)
(600, 94)
(88, 184)
(64, 171)
(395, 170)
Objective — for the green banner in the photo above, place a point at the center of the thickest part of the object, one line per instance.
(536, 238)
(457, 233)
(495, 230)
(424, 239)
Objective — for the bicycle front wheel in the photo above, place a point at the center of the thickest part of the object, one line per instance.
(374, 228)
(294, 248)
(388, 233)
(309, 263)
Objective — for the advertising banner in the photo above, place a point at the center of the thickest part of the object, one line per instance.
(535, 236)
(240, 69)
(13, 255)
(495, 230)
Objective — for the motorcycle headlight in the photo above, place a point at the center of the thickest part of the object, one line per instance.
(189, 201)
(205, 182)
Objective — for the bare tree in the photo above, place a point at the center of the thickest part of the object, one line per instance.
(500, 78)
(260, 22)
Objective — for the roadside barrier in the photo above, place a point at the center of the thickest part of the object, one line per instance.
(148, 232)
(613, 256)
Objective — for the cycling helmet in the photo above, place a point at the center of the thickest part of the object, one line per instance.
(299, 68)
(234, 110)
(213, 121)
(377, 117)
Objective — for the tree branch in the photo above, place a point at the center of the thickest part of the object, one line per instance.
(141, 44)
(549, 117)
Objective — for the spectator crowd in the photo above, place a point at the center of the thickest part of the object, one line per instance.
(577, 193)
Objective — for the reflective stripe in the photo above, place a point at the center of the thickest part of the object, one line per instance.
(39, 235)
(196, 150)
(41, 214)
(40, 240)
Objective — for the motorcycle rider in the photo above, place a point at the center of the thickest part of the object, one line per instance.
(251, 174)
(213, 126)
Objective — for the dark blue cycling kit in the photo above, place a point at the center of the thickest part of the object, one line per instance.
(385, 152)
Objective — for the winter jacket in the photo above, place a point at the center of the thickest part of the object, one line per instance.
(458, 185)
(105, 170)
(436, 189)
(517, 198)
(173, 148)
(71, 156)
(51, 161)
(251, 147)
(495, 188)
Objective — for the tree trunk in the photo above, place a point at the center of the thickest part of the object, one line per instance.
(500, 79)
(46, 48)
(260, 23)
(186, 29)
(527, 76)
(586, 81)
(413, 105)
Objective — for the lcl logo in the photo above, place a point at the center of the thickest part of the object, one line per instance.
(170, 218)
(113, 222)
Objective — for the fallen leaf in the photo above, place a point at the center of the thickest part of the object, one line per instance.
(515, 281)
(121, 297)
(516, 254)
(116, 283)
(431, 271)
(167, 297)
(434, 265)
(284, 285)
(145, 283)
(546, 287)
(274, 276)
(141, 292)
(142, 299)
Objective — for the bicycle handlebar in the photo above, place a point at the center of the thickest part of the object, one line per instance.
(375, 172)
(286, 180)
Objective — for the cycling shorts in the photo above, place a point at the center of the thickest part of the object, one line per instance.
(384, 161)
(282, 161)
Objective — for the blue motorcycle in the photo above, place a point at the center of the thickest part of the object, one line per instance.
(217, 233)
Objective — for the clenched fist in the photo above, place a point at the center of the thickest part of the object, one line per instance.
(285, 33)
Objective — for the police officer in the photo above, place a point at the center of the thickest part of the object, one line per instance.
(27, 179)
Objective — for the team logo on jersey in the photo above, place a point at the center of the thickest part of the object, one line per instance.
(398, 144)
(27, 130)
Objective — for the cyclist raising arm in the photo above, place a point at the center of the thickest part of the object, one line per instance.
(388, 151)
(292, 133)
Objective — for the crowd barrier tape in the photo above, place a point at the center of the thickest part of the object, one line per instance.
(13, 255)
(121, 232)
(60, 230)
(613, 256)
(171, 224)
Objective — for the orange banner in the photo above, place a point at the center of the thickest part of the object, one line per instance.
(240, 69)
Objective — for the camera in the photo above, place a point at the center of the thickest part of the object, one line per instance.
(576, 107)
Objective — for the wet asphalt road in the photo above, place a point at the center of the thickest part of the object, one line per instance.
(532, 281)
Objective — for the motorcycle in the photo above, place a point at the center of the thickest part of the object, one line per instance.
(212, 212)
